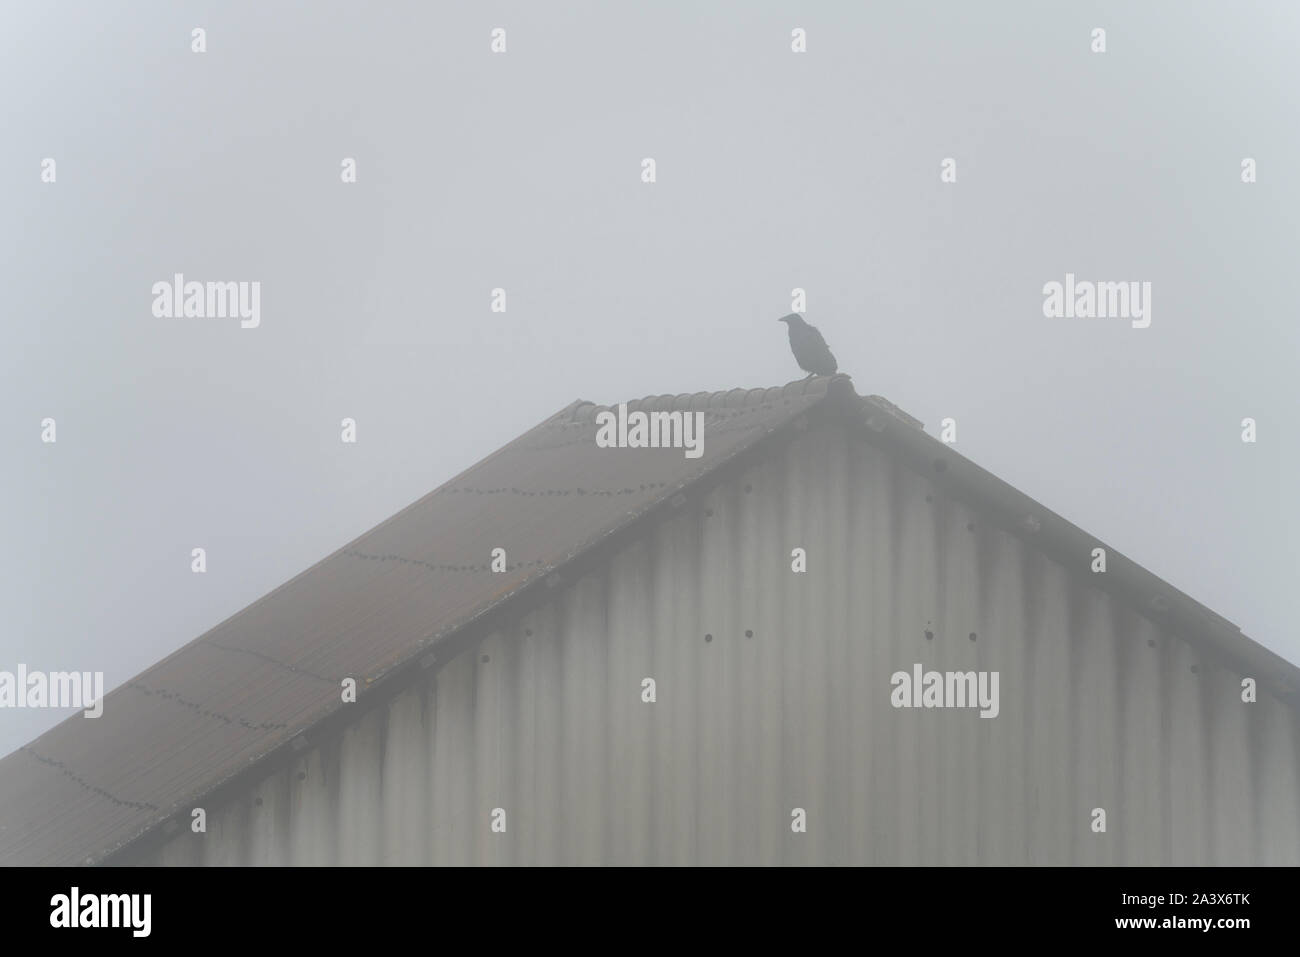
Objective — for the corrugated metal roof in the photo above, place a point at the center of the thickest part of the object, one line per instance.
(773, 691)
(242, 691)
(245, 688)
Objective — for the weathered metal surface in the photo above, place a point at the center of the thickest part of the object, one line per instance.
(240, 692)
(786, 704)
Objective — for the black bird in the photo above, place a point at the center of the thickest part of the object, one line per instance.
(808, 346)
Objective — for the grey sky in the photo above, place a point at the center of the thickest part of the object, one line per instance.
(522, 170)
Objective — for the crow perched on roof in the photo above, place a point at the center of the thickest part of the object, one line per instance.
(809, 347)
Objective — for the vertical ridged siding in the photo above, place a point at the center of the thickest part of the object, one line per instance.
(1099, 708)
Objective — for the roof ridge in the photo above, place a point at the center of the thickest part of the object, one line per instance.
(582, 410)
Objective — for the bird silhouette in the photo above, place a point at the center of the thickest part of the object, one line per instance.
(809, 348)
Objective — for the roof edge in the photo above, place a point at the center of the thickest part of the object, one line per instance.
(881, 422)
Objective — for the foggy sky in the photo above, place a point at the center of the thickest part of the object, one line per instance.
(775, 170)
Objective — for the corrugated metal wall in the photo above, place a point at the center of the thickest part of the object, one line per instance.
(774, 693)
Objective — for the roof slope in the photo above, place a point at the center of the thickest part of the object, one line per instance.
(248, 686)
(242, 691)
